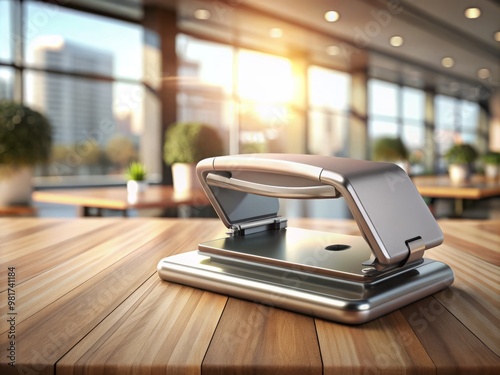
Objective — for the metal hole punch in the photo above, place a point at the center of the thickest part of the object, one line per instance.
(349, 279)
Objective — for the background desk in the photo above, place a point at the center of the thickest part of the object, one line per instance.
(441, 187)
(117, 198)
(88, 300)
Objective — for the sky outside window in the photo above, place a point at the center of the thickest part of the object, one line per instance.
(5, 31)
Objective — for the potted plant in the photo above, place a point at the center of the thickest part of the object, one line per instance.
(460, 158)
(25, 141)
(491, 162)
(185, 145)
(391, 149)
(136, 177)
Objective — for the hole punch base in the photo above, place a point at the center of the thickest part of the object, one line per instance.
(298, 274)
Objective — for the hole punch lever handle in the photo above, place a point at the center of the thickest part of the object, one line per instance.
(388, 209)
(291, 192)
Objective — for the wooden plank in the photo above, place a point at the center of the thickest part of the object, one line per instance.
(385, 345)
(470, 237)
(161, 325)
(64, 322)
(452, 347)
(33, 253)
(13, 229)
(474, 295)
(80, 259)
(257, 339)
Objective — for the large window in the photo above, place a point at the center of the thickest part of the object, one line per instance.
(264, 91)
(397, 111)
(457, 120)
(245, 94)
(329, 100)
(205, 84)
(85, 73)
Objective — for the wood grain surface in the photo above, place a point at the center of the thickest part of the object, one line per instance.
(89, 301)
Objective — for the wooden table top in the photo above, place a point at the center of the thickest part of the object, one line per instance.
(117, 198)
(441, 187)
(87, 299)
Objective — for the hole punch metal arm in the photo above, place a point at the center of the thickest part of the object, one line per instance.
(381, 197)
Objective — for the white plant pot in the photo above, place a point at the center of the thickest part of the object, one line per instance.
(16, 186)
(492, 171)
(184, 178)
(459, 173)
(135, 187)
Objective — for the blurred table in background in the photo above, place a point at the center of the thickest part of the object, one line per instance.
(441, 187)
(17, 211)
(117, 198)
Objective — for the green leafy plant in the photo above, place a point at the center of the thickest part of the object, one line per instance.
(190, 143)
(491, 157)
(25, 136)
(136, 171)
(389, 149)
(461, 154)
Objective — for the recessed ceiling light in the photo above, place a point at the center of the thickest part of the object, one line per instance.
(275, 33)
(201, 14)
(472, 13)
(496, 36)
(333, 50)
(447, 62)
(332, 16)
(396, 41)
(483, 73)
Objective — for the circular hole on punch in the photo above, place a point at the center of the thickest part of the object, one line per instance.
(337, 247)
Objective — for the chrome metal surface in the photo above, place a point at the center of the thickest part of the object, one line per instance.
(339, 300)
(297, 249)
(292, 192)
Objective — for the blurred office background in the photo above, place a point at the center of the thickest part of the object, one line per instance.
(320, 77)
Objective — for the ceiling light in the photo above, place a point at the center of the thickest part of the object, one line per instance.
(472, 13)
(396, 41)
(332, 16)
(483, 73)
(447, 62)
(333, 50)
(201, 14)
(275, 33)
(496, 36)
